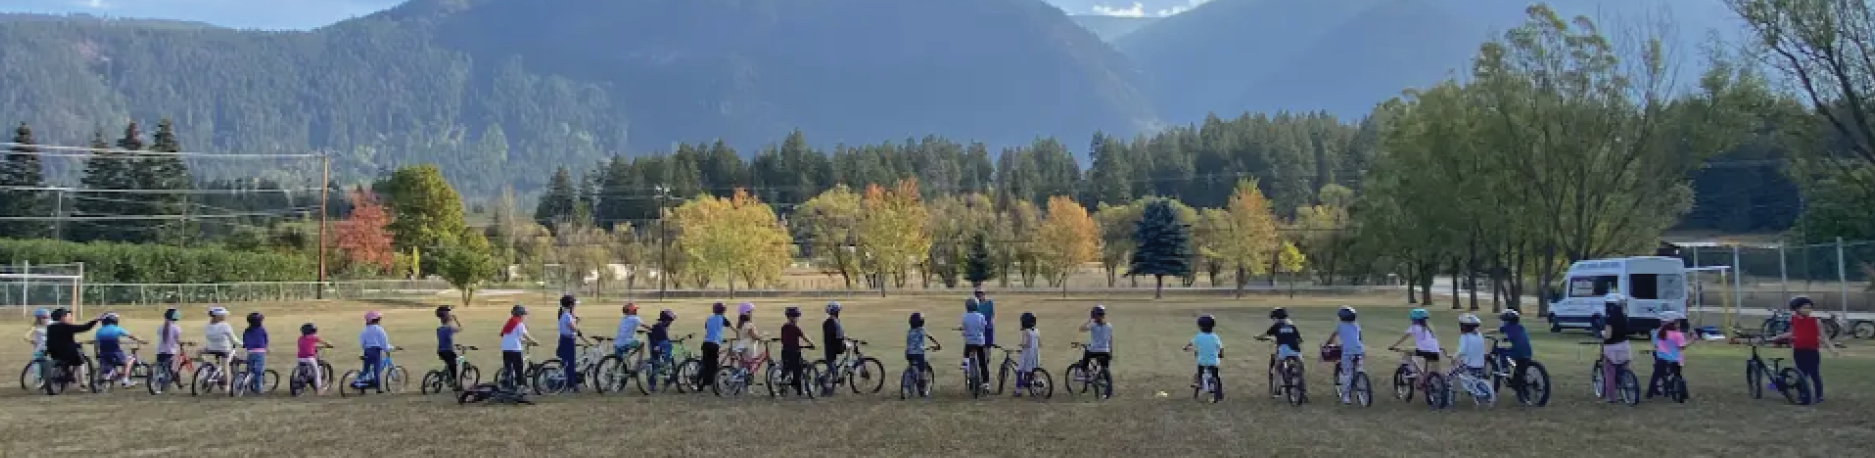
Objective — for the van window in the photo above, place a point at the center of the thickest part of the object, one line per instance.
(1644, 286)
(1593, 286)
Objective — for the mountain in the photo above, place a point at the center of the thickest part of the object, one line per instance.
(505, 91)
(1111, 28)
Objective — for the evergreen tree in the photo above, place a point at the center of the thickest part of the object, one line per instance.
(979, 267)
(166, 173)
(23, 171)
(1164, 245)
(106, 170)
(558, 202)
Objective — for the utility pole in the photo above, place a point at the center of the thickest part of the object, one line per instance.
(664, 245)
(325, 186)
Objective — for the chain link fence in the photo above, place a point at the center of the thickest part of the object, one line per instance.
(1836, 274)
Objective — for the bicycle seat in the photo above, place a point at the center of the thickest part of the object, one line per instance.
(600, 339)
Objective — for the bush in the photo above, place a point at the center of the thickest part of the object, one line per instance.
(129, 263)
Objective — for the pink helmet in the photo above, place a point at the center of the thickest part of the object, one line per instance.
(372, 315)
(746, 308)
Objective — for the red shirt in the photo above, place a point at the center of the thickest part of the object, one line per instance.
(1803, 334)
(791, 337)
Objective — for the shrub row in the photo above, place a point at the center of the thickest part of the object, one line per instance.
(130, 263)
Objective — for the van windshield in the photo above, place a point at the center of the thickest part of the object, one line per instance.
(1593, 286)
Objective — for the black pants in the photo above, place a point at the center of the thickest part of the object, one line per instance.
(793, 365)
(1523, 368)
(1810, 362)
(449, 367)
(1656, 382)
(982, 355)
(1105, 358)
(712, 352)
(511, 364)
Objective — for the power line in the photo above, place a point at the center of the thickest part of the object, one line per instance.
(89, 152)
(157, 191)
(285, 212)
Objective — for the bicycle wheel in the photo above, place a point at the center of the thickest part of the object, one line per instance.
(1535, 391)
(100, 382)
(906, 380)
(1677, 388)
(1596, 381)
(1403, 384)
(1361, 389)
(1795, 386)
(326, 373)
(1294, 387)
(1003, 373)
(772, 379)
(689, 376)
(30, 376)
(1491, 370)
(159, 379)
(809, 373)
(1438, 392)
(203, 382)
(270, 379)
(1833, 329)
(1276, 381)
(1629, 387)
(973, 382)
(607, 375)
(1077, 380)
(1217, 388)
(550, 378)
(1863, 330)
(869, 377)
(1041, 385)
(727, 383)
(302, 376)
(1754, 378)
(57, 379)
(139, 371)
(348, 384)
(432, 383)
(239, 387)
(1102, 383)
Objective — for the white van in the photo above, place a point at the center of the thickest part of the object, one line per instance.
(1653, 284)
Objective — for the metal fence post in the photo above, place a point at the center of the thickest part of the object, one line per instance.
(1738, 278)
(1783, 270)
(1842, 276)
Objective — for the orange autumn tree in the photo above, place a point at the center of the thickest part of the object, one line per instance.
(362, 237)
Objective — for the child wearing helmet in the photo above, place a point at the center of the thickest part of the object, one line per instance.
(1099, 343)
(514, 342)
(1030, 358)
(834, 334)
(254, 340)
(626, 337)
(110, 349)
(974, 330)
(1348, 335)
(219, 340)
(748, 337)
(1208, 348)
(1615, 348)
(1287, 338)
(658, 339)
(1425, 342)
(446, 329)
(915, 337)
(1668, 344)
(169, 342)
(793, 363)
(1470, 345)
(1520, 353)
(308, 354)
(567, 348)
(375, 343)
(37, 335)
(713, 342)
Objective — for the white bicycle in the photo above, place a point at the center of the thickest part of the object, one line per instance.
(1476, 385)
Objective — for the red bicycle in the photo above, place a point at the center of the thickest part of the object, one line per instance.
(163, 377)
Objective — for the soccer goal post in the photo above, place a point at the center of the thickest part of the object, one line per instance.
(30, 287)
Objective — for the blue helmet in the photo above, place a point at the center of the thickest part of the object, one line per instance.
(1418, 314)
(1346, 314)
(792, 312)
(43, 313)
(1098, 311)
(518, 310)
(917, 320)
(172, 315)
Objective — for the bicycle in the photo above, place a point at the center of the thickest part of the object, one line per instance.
(1627, 386)
(779, 380)
(302, 376)
(917, 379)
(1204, 382)
(209, 374)
(1479, 388)
(1410, 376)
(733, 378)
(1672, 386)
(1792, 383)
(164, 377)
(1532, 391)
(244, 381)
(32, 376)
(437, 380)
(678, 369)
(1286, 380)
(551, 377)
(853, 368)
(57, 378)
(1100, 380)
(1358, 388)
(974, 381)
(103, 376)
(1830, 324)
(1041, 385)
(389, 377)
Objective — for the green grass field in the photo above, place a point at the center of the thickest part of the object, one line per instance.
(1720, 420)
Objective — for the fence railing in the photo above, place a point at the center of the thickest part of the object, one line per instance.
(1835, 274)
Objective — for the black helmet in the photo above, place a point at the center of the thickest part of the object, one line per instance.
(308, 329)
(1346, 314)
(253, 318)
(1279, 314)
(442, 311)
(667, 316)
(1206, 322)
(172, 315)
(1509, 316)
(518, 310)
(917, 320)
(718, 308)
(970, 305)
(568, 301)
(1800, 302)
(792, 312)
(1028, 320)
(1098, 311)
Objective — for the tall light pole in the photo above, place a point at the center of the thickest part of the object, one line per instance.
(664, 259)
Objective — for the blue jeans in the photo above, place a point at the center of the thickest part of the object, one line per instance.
(660, 358)
(989, 335)
(568, 352)
(256, 365)
(374, 359)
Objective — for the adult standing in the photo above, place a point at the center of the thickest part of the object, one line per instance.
(986, 307)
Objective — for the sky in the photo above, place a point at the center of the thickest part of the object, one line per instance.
(307, 14)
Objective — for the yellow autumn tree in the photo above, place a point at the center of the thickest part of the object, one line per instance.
(831, 222)
(893, 231)
(1290, 260)
(1247, 238)
(737, 237)
(1070, 239)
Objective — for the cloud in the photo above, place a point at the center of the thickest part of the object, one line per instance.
(1139, 10)
(94, 4)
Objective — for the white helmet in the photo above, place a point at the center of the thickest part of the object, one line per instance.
(1671, 316)
(1615, 298)
(1468, 319)
(217, 311)
(833, 307)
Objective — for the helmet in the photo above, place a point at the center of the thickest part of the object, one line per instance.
(109, 318)
(631, 309)
(1206, 321)
(1418, 314)
(917, 320)
(746, 308)
(970, 305)
(254, 318)
(568, 301)
(369, 316)
(1800, 302)
(43, 313)
(308, 329)
(1671, 316)
(1509, 316)
(517, 310)
(667, 315)
(1028, 320)
(172, 314)
(1279, 314)
(1468, 319)
(1614, 298)
(217, 311)
(833, 308)
(442, 311)
(1098, 311)
(717, 308)
(1346, 314)
(792, 312)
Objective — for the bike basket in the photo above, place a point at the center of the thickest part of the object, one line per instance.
(1331, 353)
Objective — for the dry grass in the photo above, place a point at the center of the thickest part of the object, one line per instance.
(1720, 421)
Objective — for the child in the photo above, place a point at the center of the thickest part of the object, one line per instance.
(37, 335)
(254, 340)
(1470, 345)
(111, 348)
(713, 342)
(626, 338)
(570, 339)
(1425, 342)
(1348, 335)
(1668, 343)
(308, 354)
(1519, 339)
(169, 344)
(748, 338)
(974, 330)
(1288, 340)
(514, 341)
(1804, 342)
(375, 342)
(1031, 357)
(915, 338)
(792, 341)
(1209, 349)
(446, 344)
(219, 340)
(834, 335)
(1099, 343)
(659, 339)
(1615, 347)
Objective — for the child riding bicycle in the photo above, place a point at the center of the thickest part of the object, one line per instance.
(626, 337)
(110, 349)
(446, 344)
(1031, 357)
(254, 340)
(1669, 344)
(308, 354)
(219, 342)
(793, 363)
(1519, 339)
(1288, 339)
(1348, 335)
(658, 338)
(1208, 348)
(976, 342)
(915, 337)
(1425, 344)
(375, 343)
(37, 335)
(1099, 340)
(514, 342)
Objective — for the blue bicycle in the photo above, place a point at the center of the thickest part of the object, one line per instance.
(390, 378)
